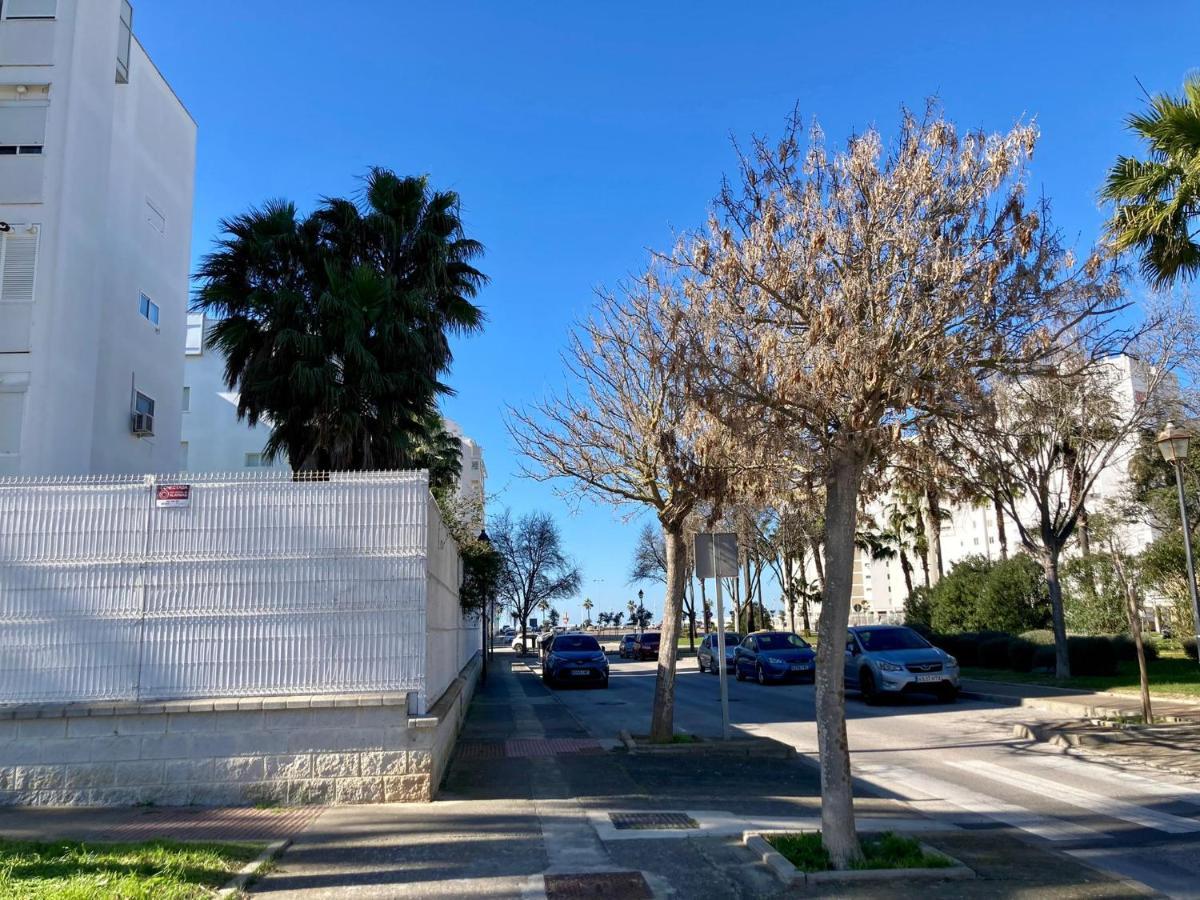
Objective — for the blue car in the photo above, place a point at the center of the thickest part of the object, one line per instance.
(575, 659)
(769, 656)
(892, 659)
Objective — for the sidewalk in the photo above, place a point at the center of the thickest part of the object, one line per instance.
(1076, 702)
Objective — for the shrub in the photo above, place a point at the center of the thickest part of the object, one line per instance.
(1087, 655)
(1044, 658)
(963, 647)
(922, 629)
(1126, 649)
(953, 599)
(978, 595)
(993, 652)
(1189, 647)
(1039, 636)
(1020, 654)
(1093, 597)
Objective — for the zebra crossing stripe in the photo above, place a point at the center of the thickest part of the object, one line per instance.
(1106, 806)
(947, 797)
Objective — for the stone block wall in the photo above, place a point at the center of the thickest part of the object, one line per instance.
(289, 751)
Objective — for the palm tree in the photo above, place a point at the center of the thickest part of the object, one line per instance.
(587, 608)
(1158, 198)
(335, 326)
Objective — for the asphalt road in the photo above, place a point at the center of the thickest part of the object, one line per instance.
(956, 761)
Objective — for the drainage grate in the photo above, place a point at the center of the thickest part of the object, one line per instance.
(672, 821)
(622, 885)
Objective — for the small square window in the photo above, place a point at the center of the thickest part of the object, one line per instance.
(187, 398)
(195, 335)
(143, 404)
(254, 460)
(30, 149)
(149, 309)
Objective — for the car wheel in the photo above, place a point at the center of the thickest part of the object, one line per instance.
(604, 683)
(866, 687)
(947, 693)
(737, 672)
(700, 664)
(759, 675)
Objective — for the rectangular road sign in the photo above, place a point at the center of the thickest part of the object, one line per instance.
(716, 555)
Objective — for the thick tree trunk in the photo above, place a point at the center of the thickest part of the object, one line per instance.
(691, 612)
(837, 802)
(662, 717)
(1050, 562)
(1001, 534)
(933, 534)
(818, 563)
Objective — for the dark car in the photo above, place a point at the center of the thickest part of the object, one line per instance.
(576, 659)
(774, 656)
(646, 646)
(625, 650)
(706, 655)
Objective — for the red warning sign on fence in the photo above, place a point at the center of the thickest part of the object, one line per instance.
(167, 495)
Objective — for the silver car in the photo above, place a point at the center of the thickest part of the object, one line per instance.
(892, 659)
(707, 655)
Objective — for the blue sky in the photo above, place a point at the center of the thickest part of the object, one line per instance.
(581, 134)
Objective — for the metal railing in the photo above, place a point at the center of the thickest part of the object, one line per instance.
(255, 584)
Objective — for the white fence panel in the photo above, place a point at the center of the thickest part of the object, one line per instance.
(451, 639)
(260, 585)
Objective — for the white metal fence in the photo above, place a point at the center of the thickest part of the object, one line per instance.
(254, 585)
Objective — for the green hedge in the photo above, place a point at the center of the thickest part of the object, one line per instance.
(1035, 650)
(1087, 656)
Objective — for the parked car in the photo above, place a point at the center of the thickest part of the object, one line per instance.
(769, 656)
(646, 646)
(518, 643)
(893, 659)
(576, 659)
(706, 654)
(625, 648)
(507, 631)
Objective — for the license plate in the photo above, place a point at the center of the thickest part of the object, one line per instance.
(928, 678)
(800, 668)
(581, 672)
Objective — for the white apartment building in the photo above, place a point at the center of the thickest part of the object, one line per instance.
(97, 163)
(213, 440)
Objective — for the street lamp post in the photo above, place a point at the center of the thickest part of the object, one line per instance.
(1173, 444)
(641, 611)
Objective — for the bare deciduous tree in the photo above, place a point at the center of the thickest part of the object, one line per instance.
(626, 433)
(846, 299)
(535, 569)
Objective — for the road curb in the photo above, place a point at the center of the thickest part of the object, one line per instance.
(792, 876)
(1096, 747)
(1049, 704)
(248, 872)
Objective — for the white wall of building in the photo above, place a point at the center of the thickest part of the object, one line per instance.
(108, 202)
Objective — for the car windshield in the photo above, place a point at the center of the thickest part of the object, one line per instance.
(575, 643)
(730, 639)
(780, 641)
(876, 640)
(649, 638)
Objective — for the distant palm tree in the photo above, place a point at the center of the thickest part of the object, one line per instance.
(1158, 198)
(587, 608)
(336, 326)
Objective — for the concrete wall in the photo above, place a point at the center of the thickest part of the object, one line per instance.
(293, 750)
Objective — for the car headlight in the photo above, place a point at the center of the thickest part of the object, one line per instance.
(951, 662)
(889, 666)
(600, 657)
(777, 660)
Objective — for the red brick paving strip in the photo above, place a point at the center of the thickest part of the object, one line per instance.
(521, 748)
(219, 824)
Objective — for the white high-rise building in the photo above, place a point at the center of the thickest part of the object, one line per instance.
(97, 162)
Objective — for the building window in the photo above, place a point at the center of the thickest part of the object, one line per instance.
(149, 309)
(187, 398)
(254, 460)
(123, 42)
(143, 414)
(20, 149)
(183, 455)
(18, 263)
(195, 335)
(475, 464)
(29, 9)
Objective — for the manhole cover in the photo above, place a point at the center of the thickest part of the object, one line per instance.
(625, 885)
(673, 821)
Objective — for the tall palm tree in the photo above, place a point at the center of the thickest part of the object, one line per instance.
(1158, 198)
(335, 326)
(587, 609)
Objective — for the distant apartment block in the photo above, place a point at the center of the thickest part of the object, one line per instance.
(97, 161)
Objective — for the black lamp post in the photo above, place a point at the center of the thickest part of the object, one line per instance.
(485, 617)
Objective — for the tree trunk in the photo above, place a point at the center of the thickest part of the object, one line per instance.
(662, 717)
(1085, 534)
(1062, 665)
(704, 605)
(818, 563)
(906, 568)
(933, 533)
(837, 802)
(749, 593)
(1134, 614)
(762, 607)
(691, 611)
(1001, 534)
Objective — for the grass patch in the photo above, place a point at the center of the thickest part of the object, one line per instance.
(148, 870)
(880, 851)
(684, 739)
(1171, 675)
